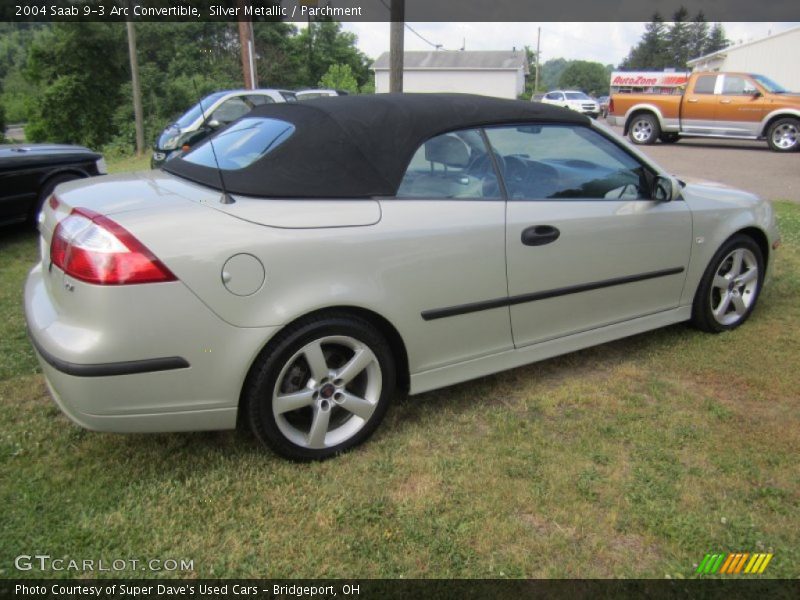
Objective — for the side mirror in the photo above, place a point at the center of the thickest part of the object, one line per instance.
(664, 189)
(757, 94)
(214, 124)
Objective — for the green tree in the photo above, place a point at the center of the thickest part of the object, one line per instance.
(339, 77)
(322, 44)
(15, 42)
(672, 46)
(79, 67)
(551, 73)
(650, 52)
(2, 123)
(590, 77)
(716, 39)
(698, 36)
(679, 38)
(279, 61)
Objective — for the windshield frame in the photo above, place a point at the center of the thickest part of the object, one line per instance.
(577, 96)
(772, 86)
(198, 110)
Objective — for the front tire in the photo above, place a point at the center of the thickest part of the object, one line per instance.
(644, 130)
(730, 286)
(322, 387)
(784, 135)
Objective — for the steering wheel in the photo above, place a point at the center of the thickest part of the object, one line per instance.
(481, 167)
(530, 178)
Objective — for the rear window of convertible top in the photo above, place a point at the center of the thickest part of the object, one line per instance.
(241, 144)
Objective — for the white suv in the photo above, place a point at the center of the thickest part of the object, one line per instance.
(574, 100)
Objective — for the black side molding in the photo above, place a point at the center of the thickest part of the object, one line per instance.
(462, 309)
(128, 367)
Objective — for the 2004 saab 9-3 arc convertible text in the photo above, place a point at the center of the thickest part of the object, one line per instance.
(349, 246)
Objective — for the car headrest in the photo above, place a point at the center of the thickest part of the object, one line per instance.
(447, 149)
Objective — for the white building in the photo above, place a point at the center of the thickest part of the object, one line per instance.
(776, 56)
(490, 73)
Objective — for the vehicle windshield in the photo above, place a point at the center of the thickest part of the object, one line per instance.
(576, 96)
(194, 113)
(771, 86)
(241, 144)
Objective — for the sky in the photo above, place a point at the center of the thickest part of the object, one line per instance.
(607, 43)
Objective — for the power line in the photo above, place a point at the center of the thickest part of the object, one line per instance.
(416, 33)
(411, 29)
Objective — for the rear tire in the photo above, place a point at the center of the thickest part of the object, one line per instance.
(321, 387)
(644, 129)
(784, 135)
(730, 286)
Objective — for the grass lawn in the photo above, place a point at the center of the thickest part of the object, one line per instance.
(632, 459)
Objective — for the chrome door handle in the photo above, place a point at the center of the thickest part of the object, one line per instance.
(693, 100)
(724, 101)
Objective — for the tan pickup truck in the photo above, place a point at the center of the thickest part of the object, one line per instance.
(719, 105)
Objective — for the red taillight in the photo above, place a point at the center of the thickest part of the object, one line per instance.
(611, 106)
(95, 249)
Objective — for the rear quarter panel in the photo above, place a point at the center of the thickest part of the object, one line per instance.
(666, 108)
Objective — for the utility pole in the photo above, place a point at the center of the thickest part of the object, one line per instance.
(396, 46)
(536, 79)
(248, 49)
(137, 92)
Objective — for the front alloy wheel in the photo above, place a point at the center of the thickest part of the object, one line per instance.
(730, 286)
(733, 290)
(321, 387)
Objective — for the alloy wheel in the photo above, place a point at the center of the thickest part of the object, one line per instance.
(734, 287)
(327, 392)
(642, 130)
(785, 136)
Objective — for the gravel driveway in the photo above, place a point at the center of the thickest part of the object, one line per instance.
(746, 165)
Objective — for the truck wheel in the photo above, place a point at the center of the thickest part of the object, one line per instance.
(669, 138)
(784, 135)
(644, 129)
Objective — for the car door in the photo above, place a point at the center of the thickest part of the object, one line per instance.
(443, 238)
(740, 106)
(699, 106)
(585, 244)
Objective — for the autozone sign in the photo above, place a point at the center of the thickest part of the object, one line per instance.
(648, 79)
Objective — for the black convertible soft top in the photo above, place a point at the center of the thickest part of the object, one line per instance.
(360, 146)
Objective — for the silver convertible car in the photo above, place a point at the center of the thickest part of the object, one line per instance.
(308, 261)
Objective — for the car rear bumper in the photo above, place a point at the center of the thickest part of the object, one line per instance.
(183, 377)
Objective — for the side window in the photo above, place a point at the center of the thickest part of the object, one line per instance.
(231, 109)
(258, 99)
(705, 84)
(737, 86)
(564, 161)
(552, 96)
(453, 165)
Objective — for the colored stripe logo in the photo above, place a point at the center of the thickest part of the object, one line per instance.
(734, 563)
